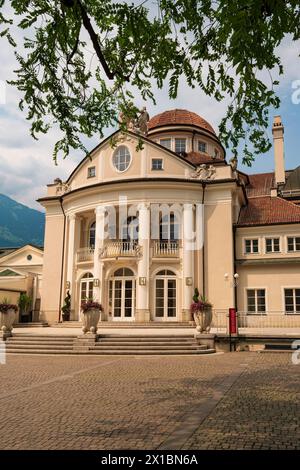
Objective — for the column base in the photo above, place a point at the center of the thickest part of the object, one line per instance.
(208, 339)
(185, 315)
(142, 316)
(85, 341)
(4, 334)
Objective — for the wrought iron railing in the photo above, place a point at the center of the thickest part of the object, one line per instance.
(259, 321)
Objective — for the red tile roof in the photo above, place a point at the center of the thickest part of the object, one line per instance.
(267, 210)
(260, 184)
(198, 158)
(179, 116)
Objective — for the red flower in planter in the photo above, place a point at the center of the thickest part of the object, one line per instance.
(89, 305)
(4, 308)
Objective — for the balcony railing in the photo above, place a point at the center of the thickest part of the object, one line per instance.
(118, 248)
(166, 249)
(266, 322)
(85, 254)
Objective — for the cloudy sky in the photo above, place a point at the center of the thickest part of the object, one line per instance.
(26, 165)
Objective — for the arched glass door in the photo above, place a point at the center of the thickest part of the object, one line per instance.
(122, 294)
(165, 295)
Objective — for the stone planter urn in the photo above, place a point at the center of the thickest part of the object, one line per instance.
(90, 316)
(7, 318)
(203, 319)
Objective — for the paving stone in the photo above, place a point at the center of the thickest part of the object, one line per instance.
(228, 401)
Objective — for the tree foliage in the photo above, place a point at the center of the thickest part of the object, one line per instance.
(86, 60)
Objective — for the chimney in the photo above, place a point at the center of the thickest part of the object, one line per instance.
(278, 131)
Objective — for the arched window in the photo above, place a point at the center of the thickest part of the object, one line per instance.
(123, 272)
(122, 294)
(165, 272)
(92, 235)
(165, 295)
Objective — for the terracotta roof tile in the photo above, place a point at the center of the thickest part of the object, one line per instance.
(260, 184)
(267, 210)
(179, 116)
(198, 158)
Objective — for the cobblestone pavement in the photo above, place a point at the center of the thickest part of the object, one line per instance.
(224, 401)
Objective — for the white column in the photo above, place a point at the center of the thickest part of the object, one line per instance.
(188, 259)
(98, 263)
(142, 286)
(71, 252)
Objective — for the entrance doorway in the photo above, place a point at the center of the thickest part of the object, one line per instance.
(122, 294)
(86, 288)
(165, 296)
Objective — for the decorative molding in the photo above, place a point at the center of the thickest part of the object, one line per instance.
(62, 188)
(204, 172)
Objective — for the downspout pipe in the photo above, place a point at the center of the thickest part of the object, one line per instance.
(234, 265)
(62, 261)
(203, 247)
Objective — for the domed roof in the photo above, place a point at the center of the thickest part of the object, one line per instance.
(177, 117)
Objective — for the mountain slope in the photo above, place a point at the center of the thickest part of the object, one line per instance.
(20, 224)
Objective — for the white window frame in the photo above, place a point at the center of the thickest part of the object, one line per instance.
(294, 243)
(251, 240)
(204, 143)
(113, 159)
(90, 168)
(162, 164)
(166, 138)
(257, 312)
(165, 277)
(180, 138)
(272, 238)
(294, 299)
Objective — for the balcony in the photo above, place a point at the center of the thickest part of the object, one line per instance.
(120, 248)
(85, 254)
(166, 249)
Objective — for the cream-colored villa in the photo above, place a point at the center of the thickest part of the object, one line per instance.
(139, 229)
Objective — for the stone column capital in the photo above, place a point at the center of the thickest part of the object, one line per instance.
(100, 210)
(143, 206)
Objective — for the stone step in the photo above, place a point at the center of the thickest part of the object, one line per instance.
(145, 343)
(160, 352)
(118, 338)
(25, 337)
(39, 346)
(31, 325)
(149, 347)
(20, 344)
(115, 324)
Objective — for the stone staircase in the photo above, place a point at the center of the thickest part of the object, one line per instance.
(122, 324)
(106, 345)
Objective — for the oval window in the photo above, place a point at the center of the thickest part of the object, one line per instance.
(121, 158)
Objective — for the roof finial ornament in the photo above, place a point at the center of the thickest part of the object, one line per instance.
(233, 163)
(142, 122)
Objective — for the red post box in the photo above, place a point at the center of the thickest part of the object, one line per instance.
(232, 321)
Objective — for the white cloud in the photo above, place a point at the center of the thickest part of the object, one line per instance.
(26, 165)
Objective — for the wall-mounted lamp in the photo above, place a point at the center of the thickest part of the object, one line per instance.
(188, 281)
(96, 283)
(68, 285)
(235, 279)
(142, 281)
